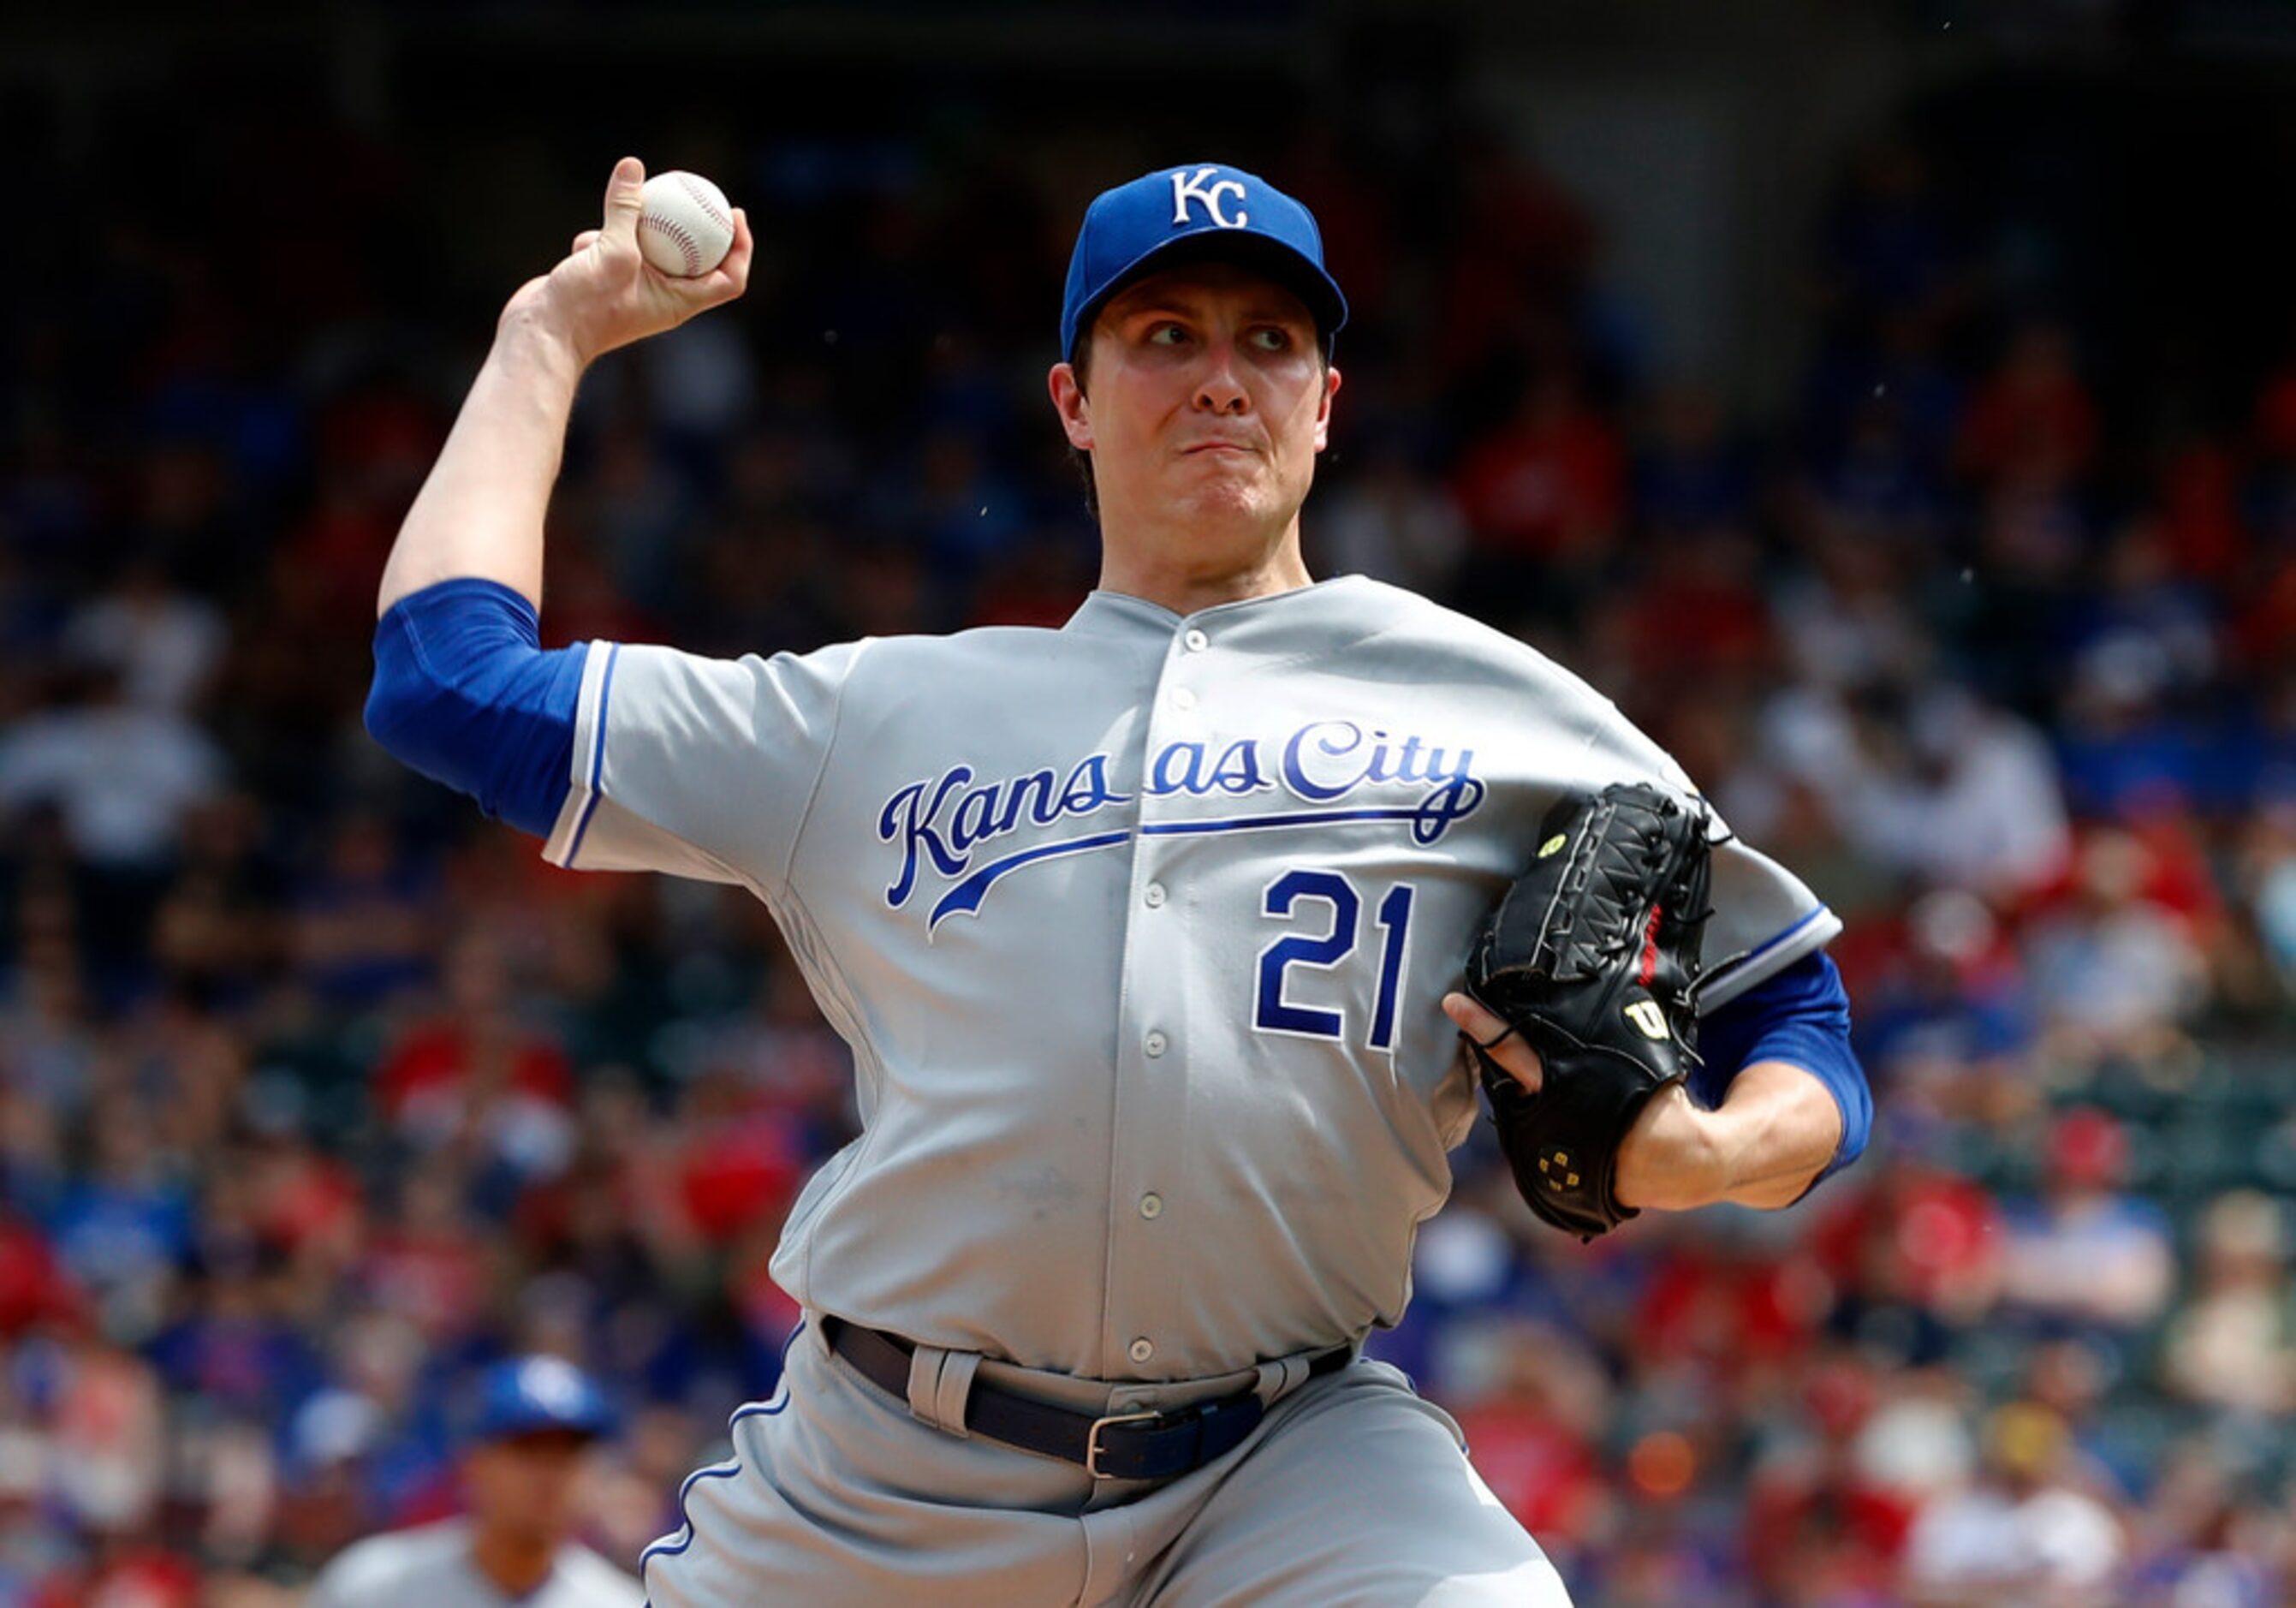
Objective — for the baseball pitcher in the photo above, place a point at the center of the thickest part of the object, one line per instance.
(1150, 936)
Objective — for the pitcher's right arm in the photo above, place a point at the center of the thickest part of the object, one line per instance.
(462, 691)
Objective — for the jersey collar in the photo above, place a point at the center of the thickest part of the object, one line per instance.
(1119, 613)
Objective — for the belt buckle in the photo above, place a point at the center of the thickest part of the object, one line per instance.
(1092, 1447)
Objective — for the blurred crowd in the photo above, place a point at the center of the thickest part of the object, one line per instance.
(318, 1093)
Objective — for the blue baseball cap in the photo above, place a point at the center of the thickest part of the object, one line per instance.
(1198, 209)
(536, 1395)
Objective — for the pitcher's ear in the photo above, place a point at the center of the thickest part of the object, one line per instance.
(1071, 403)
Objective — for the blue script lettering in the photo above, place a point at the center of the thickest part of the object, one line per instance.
(916, 815)
(1189, 768)
(1332, 759)
(1238, 770)
(1180, 768)
(1088, 789)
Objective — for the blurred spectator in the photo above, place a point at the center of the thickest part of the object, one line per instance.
(474, 1079)
(218, 929)
(105, 1412)
(37, 1294)
(1390, 522)
(1950, 1027)
(2085, 1254)
(2197, 502)
(2033, 416)
(123, 775)
(1846, 620)
(969, 517)
(239, 1352)
(2074, 1379)
(1956, 792)
(701, 386)
(2146, 614)
(1812, 1504)
(427, 1261)
(124, 1224)
(641, 510)
(2017, 1533)
(2268, 778)
(2232, 1342)
(365, 925)
(739, 1163)
(1916, 1255)
(1536, 1430)
(2116, 972)
(162, 645)
(1701, 619)
(47, 1039)
(2123, 747)
(2199, 1542)
(376, 438)
(1690, 473)
(1545, 489)
(1881, 416)
(1522, 264)
(1887, 245)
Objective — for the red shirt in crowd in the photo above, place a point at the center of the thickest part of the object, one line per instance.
(1551, 483)
(438, 1060)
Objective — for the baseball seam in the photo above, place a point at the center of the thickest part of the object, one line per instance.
(686, 182)
(685, 242)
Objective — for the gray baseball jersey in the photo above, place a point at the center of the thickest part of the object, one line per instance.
(1137, 929)
(431, 1567)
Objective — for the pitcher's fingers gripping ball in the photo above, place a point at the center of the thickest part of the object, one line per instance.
(686, 226)
(607, 292)
(1594, 959)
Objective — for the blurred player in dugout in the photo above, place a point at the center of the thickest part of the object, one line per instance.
(522, 1477)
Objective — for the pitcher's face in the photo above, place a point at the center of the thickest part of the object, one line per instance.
(1203, 402)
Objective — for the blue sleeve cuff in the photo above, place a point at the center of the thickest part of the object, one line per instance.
(1800, 1015)
(464, 693)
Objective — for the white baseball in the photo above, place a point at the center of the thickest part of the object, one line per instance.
(685, 225)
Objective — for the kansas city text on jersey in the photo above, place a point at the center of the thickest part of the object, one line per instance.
(1338, 766)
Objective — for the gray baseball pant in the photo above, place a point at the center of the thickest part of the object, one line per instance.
(1352, 1493)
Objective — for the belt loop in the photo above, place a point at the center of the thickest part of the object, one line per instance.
(940, 1383)
(1280, 1378)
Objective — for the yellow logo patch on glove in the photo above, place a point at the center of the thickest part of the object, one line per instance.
(1645, 1015)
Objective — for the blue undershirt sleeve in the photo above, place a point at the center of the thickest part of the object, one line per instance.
(465, 692)
(1799, 1015)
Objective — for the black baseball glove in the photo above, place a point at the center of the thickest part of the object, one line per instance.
(1593, 957)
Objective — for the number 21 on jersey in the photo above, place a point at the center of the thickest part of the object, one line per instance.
(1272, 1011)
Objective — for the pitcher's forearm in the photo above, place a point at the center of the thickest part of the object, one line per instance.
(480, 513)
(1778, 1129)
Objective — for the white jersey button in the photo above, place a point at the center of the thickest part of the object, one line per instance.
(1141, 1350)
(1197, 641)
(1153, 1044)
(1183, 699)
(1153, 894)
(1151, 1206)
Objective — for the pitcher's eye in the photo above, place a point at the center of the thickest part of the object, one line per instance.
(1166, 334)
(1271, 338)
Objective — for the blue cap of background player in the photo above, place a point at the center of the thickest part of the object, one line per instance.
(539, 1395)
(1202, 209)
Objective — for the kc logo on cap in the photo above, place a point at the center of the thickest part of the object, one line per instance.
(1186, 213)
(1186, 189)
